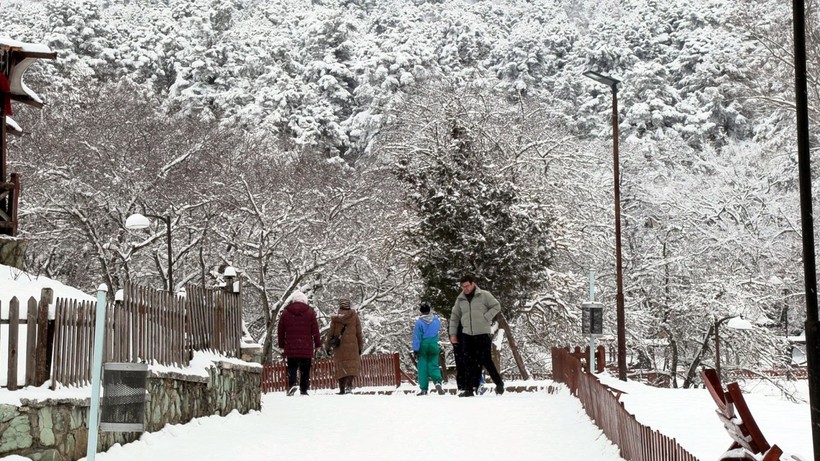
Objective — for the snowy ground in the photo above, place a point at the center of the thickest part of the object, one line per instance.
(387, 427)
(526, 426)
(689, 416)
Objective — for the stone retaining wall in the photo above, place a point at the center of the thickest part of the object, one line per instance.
(57, 429)
(12, 251)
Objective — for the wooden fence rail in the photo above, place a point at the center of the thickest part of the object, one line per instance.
(636, 441)
(377, 370)
(146, 326)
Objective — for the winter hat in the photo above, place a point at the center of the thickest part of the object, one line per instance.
(344, 303)
(299, 297)
(424, 307)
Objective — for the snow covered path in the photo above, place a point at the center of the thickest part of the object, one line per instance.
(525, 426)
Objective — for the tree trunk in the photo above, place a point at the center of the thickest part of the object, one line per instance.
(690, 375)
(502, 322)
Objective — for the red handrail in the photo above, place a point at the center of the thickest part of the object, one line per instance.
(636, 441)
(377, 370)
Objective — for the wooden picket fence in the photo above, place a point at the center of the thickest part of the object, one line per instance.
(37, 355)
(377, 370)
(636, 441)
(146, 326)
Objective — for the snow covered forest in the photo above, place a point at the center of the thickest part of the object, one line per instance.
(378, 149)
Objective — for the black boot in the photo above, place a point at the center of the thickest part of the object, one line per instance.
(467, 393)
(342, 382)
(422, 392)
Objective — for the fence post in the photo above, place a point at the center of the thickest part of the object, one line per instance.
(600, 359)
(397, 368)
(96, 372)
(42, 361)
(31, 339)
(219, 322)
(14, 334)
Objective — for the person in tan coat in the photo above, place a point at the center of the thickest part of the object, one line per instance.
(347, 356)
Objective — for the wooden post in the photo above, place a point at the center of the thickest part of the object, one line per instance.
(31, 340)
(59, 321)
(502, 322)
(397, 368)
(219, 322)
(42, 361)
(14, 334)
(13, 199)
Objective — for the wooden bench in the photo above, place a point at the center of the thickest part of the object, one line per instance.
(739, 423)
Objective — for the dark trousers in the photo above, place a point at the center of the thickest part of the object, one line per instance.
(461, 364)
(477, 351)
(303, 365)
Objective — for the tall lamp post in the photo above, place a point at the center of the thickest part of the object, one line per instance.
(138, 221)
(735, 323)
(812, 325)
(621, 320)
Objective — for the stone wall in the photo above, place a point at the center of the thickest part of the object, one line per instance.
(57, 429)
(12, 251)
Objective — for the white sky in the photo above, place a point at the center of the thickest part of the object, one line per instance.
(527, 426)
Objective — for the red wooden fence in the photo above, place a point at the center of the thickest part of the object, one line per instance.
(377, 370)
(636, 441)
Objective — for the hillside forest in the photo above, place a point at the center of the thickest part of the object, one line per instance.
(378, 150)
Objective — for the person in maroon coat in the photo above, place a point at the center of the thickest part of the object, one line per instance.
(298, 335)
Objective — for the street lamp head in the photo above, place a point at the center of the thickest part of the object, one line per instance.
(735, 322)
(601, 78)
(137, 221)
(739, 323)
(231, 285)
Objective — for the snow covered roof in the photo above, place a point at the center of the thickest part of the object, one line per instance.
(27, 53)
(12, 126)
(33, 48)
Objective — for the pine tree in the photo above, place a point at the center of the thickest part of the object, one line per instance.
(473, 219)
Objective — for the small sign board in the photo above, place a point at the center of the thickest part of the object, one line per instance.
(592, 319)
(124, 395)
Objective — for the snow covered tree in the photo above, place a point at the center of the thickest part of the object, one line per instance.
(86, 173)
(472, 214)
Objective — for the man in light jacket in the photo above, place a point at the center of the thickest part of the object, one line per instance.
(475, 309)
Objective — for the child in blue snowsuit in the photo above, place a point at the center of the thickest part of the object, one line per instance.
(426, 350)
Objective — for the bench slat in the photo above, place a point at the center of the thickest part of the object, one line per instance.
(737, 419)
(773, 454)
(712, 382)
(737, 431)
(748, 420)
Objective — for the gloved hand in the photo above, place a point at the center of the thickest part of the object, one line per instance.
(415, 356)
